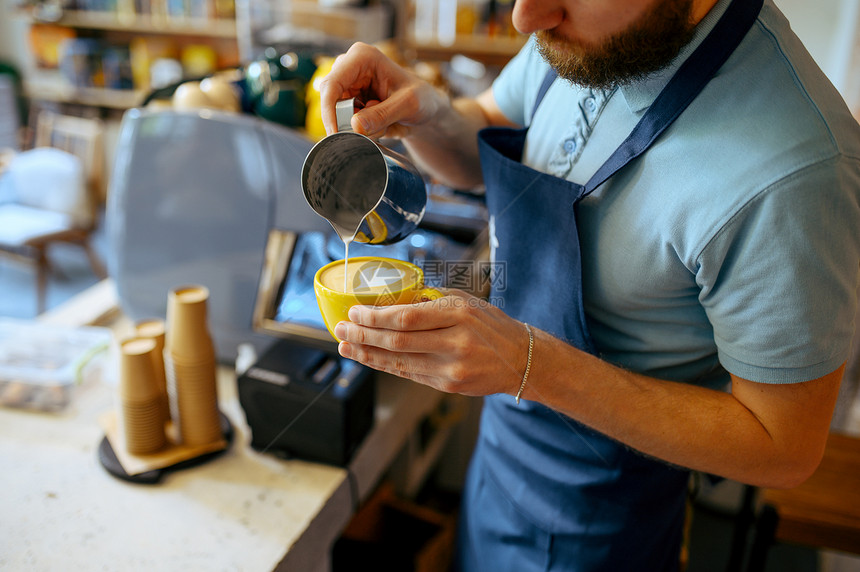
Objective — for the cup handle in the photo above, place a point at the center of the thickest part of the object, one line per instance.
(427, 294)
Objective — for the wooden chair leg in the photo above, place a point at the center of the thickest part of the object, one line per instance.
(95, 263)
(765, 532)
(42, 268)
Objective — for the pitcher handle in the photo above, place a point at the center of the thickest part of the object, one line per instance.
(344, 110)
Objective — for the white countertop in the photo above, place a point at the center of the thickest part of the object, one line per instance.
(243, 510)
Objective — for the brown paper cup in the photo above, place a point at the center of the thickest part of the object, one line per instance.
(141, 401)
(137, 379)
(187, 337)
(189, 359)
(194, 399)
(143, 437)
(154, 329)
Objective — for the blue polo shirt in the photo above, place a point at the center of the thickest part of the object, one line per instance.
(733, 244)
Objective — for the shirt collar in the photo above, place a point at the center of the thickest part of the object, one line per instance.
(641, 94)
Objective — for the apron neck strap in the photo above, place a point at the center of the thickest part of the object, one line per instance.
(544, 87)
(685, 85)
(682, 89)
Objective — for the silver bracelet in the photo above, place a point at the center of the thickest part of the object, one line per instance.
(528, 363)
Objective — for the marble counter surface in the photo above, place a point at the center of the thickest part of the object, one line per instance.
(241, 511)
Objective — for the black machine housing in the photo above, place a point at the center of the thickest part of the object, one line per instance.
(307, 403)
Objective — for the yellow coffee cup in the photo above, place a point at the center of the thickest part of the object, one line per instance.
(367, 280)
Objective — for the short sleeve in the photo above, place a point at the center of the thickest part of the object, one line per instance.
(517, 85)
(779, 281)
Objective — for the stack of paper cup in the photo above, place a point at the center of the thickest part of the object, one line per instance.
(190, 367)
(154, 329)
(141, 418)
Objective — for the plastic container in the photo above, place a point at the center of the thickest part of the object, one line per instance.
(40, 364)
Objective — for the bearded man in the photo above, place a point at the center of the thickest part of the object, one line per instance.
(674, 199)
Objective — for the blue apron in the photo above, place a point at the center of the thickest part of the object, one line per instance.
(544, 492)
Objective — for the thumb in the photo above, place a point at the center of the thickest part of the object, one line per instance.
(373, 120)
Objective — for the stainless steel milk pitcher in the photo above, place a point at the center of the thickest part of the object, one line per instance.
(367, 192)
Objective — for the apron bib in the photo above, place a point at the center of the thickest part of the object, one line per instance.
(604, 506)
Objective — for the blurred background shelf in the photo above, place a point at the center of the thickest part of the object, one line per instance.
(53, 88)
(140, 24)
(489, 50)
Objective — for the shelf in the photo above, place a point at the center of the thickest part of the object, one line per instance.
(489, 50)
(278, 21)
(116, 22)
(118, 27)
(56, 89)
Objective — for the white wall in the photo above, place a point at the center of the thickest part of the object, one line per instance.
(14, 44)
(5, 30)
(830, 29)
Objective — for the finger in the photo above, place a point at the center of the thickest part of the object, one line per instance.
(407, 365)
(376, 120)
(438, 371)
(347, 78)
(409, 103)
(423, 341)
(463, 294)
(365, 72)
(432, 315)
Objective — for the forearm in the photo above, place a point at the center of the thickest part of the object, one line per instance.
(694, 427)
(766, 434)
(447, 147)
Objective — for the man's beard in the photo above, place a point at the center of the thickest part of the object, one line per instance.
(646, 46)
